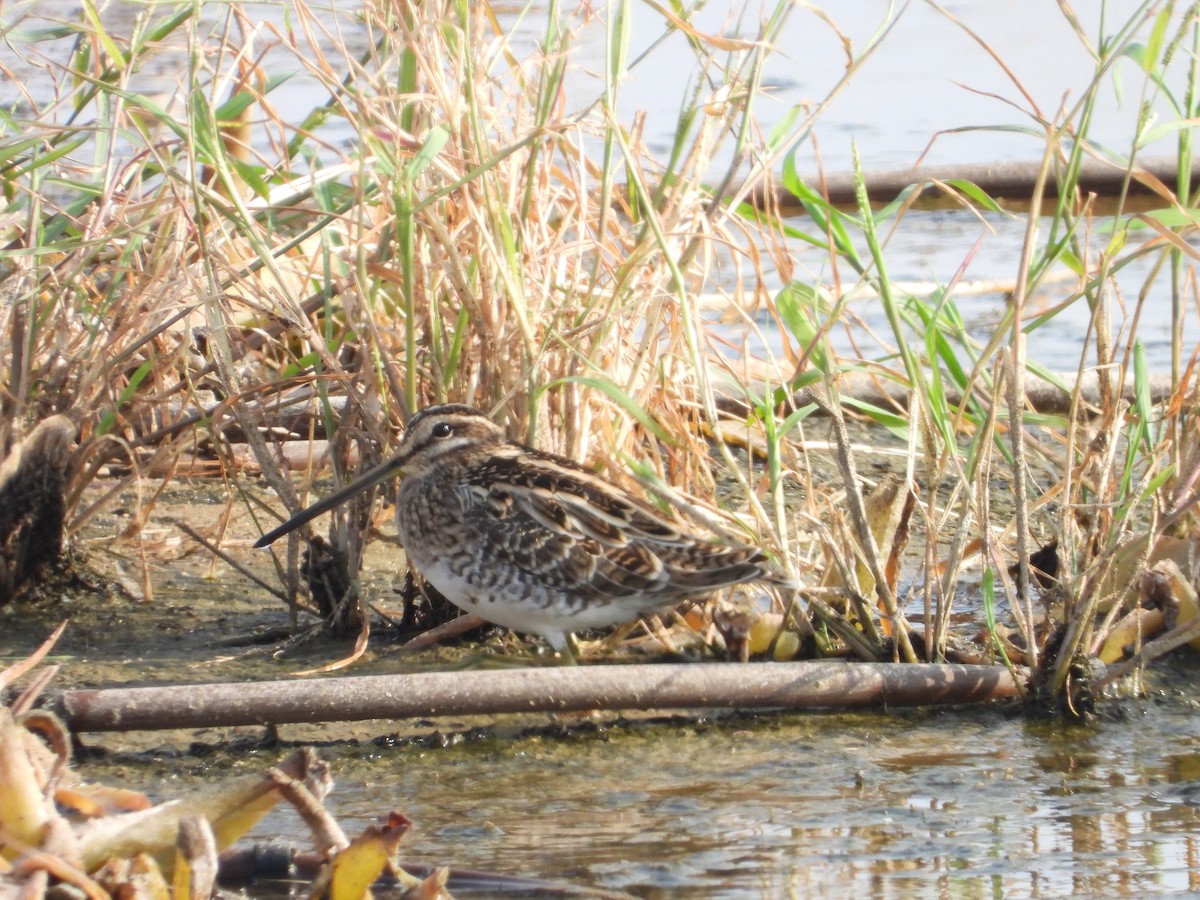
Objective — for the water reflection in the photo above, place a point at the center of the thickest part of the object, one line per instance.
(964, 804)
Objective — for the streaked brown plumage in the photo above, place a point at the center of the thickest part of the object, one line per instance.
(534, 541)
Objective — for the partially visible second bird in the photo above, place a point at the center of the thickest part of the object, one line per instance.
(534, 541)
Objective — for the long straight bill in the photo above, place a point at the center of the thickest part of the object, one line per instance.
(367, 480)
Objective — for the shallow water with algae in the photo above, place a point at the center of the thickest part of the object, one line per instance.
(962, 803)
(966, 803)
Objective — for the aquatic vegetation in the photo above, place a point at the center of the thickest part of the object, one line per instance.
(56, 829)
(202, 281)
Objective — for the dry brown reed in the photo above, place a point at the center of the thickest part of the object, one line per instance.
(190, 271)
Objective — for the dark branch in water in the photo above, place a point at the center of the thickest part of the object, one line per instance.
(1010, 181)
(1041, 395)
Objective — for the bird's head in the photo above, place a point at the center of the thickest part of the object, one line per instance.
(439, 434)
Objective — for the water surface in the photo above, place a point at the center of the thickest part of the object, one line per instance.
(916, 804)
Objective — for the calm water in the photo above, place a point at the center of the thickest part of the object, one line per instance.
(950, 804)
(927, 82)
(962, 804)
(957, 803)
(927, 76)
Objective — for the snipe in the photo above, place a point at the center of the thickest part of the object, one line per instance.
(534, 541)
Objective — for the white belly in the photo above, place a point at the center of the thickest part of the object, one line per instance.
(511, 606)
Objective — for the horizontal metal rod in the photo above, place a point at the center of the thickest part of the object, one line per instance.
(799, 685)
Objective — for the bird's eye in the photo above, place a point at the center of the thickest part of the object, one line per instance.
(442, 430)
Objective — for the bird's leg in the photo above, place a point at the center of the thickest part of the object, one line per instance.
(658, 628)
(569, 654)
(612, 642)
